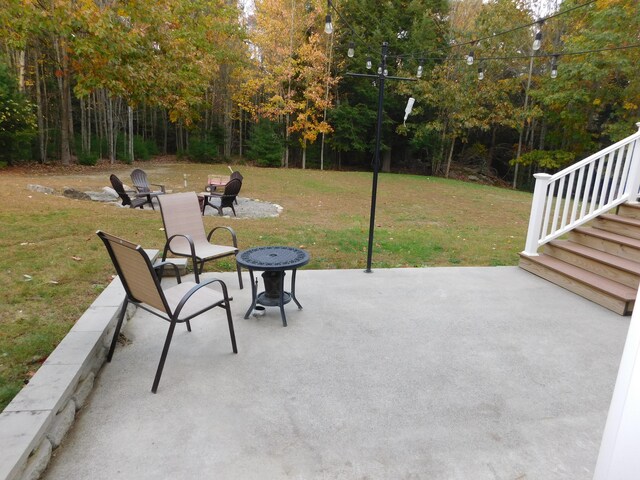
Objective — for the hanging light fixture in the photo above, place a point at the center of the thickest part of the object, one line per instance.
(470, 58)
(554, 66)
(328, 26)
(352, 49)
(369, 65)
(420, 69)
(480, 73)
(538, 41)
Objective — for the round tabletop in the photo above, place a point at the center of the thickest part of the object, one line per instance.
(272, 258)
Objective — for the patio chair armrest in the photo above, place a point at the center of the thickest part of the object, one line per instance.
(176, 271)
(234, 237)
(185, 299)
(162, 187)
(167, 246)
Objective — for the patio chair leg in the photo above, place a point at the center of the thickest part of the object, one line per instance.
(232, 333)
(163, 357)
(123, 311)
(188, 325)
(197, 269)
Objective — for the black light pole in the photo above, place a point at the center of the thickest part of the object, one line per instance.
(381, 77)
(376, 160)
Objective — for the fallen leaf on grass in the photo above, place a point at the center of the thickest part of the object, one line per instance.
(53, 282)
(76, 258)
(27, 278)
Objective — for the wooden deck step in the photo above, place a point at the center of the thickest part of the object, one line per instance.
(630, 210)
(610, 266)
(608, 293)
(629, 227)
(608, 242)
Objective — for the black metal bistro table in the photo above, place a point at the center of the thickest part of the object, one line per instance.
(273, 261)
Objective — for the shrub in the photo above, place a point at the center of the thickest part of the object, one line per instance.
(17, 120)
(547, 159)
(89, 159)
(141, 148)
(203, 151)
(266, 146)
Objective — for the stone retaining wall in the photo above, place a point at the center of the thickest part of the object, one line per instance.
(33, 425)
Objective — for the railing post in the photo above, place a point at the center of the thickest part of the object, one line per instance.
(537, 211)
(618, 457)
(633, 185)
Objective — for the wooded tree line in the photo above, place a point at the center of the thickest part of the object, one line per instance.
(84, 79)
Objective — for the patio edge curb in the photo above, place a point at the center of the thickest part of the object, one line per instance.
(33, 425)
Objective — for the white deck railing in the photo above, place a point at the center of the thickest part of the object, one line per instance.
(581, 192)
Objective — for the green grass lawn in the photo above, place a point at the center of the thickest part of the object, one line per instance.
(54, 265)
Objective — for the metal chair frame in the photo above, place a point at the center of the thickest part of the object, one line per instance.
(142, 286)
(184, 230)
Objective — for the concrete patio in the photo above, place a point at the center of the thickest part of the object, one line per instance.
(435, 373)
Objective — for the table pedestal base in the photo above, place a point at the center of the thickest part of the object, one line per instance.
(274, 294)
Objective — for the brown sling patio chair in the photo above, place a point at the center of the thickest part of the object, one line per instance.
(224, 200)
(134, 202)
(177, 304)
(184, 229)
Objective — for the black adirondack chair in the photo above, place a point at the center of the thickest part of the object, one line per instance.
(135, 202)
(226, 199)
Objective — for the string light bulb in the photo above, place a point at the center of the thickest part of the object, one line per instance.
(352, 50)
(420, 69)
(328, 26)
(369, 65)
(470, 58)
(554, 67)
(480, 73)
(537, 43)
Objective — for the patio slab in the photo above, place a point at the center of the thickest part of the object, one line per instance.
(435, 373)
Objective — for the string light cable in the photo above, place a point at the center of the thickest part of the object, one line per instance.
(472, 43)
(471, 58)
(561, 54)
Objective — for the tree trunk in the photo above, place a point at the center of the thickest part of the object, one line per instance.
(543, 134)
(286, 142)
(110, 130)
(241, 134)
(42, 140)
(304, 154)
(65, 102)
(453, 142)
(130, 118)
(492, 148)
(21, 64)
(386, 161)
(83, 126)
(326, 100)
